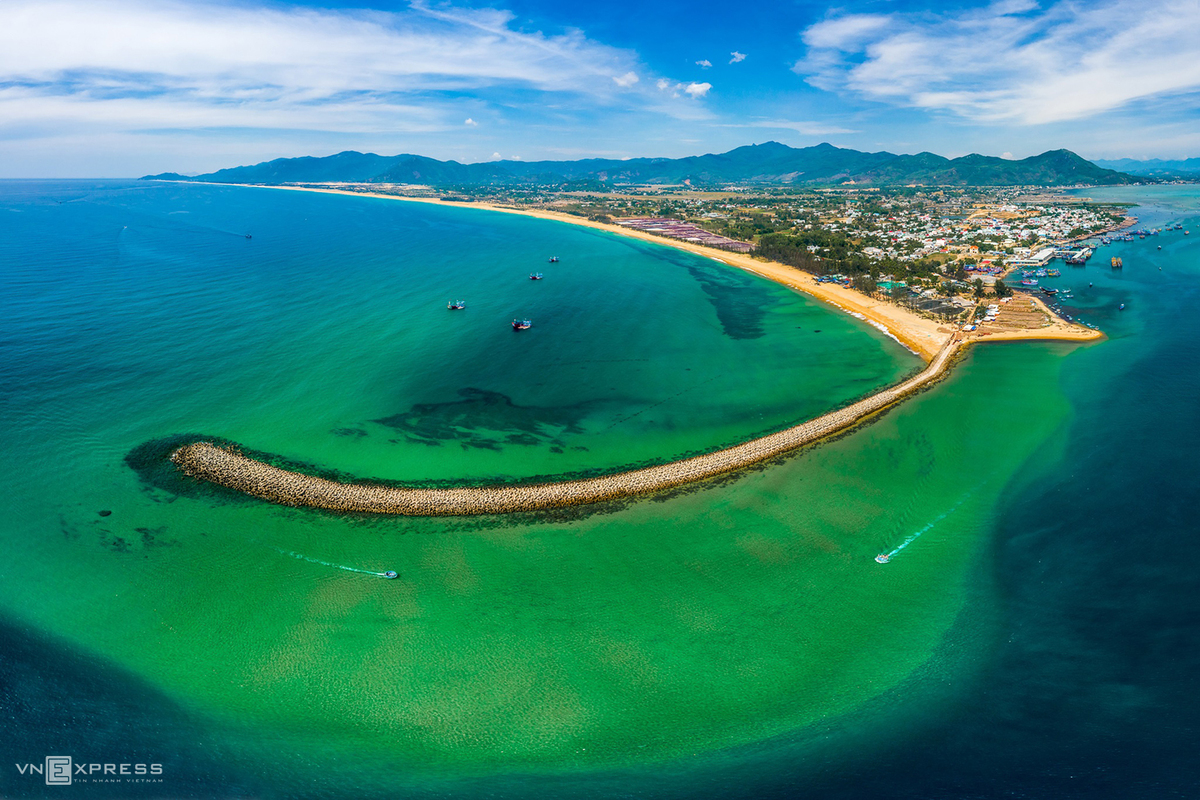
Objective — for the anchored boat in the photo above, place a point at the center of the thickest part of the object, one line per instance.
(535, 276)
(455, 305)
(1116, 263)
(522, 324)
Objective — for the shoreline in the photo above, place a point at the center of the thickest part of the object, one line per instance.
(924, 337)
(936, 343)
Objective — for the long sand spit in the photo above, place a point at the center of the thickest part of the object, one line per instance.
(226, 467)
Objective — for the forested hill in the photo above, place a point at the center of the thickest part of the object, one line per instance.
(764, 164)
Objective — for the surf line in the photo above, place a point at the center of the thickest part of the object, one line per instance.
(884, 558)
(389, 574)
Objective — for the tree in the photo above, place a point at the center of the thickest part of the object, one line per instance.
(1001, 289)
(978, 284)
(865, 284)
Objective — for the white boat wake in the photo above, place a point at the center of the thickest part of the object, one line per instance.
(387, 574)
(884, 558)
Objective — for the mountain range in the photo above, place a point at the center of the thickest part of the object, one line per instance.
(763, 164)
(1156, 167)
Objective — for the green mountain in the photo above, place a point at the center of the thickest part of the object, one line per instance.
(763, 164)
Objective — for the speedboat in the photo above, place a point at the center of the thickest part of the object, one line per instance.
(883, 558)
(391, 574)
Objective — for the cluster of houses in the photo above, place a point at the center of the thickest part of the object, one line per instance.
(910, 236)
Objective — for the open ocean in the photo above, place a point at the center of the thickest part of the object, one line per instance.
(1037, 639)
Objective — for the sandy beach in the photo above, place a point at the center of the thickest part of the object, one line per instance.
(925, 337)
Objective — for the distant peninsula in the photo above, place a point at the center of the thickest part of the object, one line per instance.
(768, 164)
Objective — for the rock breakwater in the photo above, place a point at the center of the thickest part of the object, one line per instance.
(227, 467)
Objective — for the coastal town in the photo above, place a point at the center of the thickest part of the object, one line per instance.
(954, 255)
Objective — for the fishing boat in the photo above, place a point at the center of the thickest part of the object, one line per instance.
(1053, 273)
(391, 574)
(248, 236)
(535, 276)
(1121, 307)
(1029, 282)
(553, 259)
(883, 558)
(522, 324)
(1160, 247)
(455, 305)
(1116, 263)
(1048, 290)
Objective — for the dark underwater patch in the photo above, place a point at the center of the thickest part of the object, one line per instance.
(741, 303)
(485, 420)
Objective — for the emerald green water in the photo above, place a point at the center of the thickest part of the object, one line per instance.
(664, 634)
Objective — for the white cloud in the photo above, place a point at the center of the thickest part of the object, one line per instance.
(737, 57)
(626, 80)
(663, 84)
(697, 89)
(1012, 60)
(704, 63)
(140, 64)
(470, 122)
(496, 156)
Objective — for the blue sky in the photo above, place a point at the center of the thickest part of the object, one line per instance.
(127, 87)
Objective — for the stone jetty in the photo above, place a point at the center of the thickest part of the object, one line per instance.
(226, 467)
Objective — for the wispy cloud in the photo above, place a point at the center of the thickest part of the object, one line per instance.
(805, 127)
(133, 64)
(704, 63)
(1012, 60)
(737, 57)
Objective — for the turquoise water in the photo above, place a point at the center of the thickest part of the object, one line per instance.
(735, 640)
